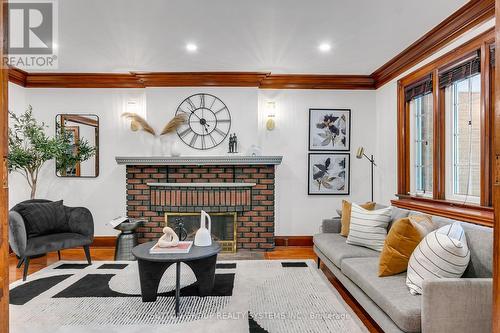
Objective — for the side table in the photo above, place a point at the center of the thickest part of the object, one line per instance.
(127, 239)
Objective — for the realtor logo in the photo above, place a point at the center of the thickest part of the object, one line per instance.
(32, 34)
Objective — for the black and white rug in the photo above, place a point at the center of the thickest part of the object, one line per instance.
(254, 296)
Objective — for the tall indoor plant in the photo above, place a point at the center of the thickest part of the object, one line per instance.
(30, 147)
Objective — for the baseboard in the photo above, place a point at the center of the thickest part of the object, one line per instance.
(110, 241)
(293, 240)
(104, 241)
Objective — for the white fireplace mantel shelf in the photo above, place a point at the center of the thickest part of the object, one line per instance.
(199, 160)
(224, 185)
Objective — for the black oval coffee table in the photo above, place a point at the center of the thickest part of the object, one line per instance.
(200, 259)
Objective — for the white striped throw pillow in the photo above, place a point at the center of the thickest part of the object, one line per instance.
(368, 228)
(443, 253)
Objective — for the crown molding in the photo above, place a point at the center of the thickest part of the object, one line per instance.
(189, 79)
(468, 16)
(81, 80)
(17, 76)
(195, 79)
(309, 81)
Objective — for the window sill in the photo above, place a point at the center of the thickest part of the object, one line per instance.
(453, 210)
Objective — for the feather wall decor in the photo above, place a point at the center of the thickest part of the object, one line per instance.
(173, 124)
(138, 123)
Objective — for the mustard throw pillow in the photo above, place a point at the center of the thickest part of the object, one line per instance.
(403, 237)
(345, 220)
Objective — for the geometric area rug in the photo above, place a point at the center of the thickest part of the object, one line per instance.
(249, 296)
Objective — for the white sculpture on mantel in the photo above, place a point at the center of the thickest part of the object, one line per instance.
(169, 238)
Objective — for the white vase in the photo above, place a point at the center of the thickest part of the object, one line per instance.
(175, 149)
(156, 149)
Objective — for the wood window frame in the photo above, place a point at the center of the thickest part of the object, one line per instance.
(438, 205)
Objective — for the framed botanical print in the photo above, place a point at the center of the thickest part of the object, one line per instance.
(329, 173)
(329, 129)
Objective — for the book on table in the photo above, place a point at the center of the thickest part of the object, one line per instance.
(182, 247)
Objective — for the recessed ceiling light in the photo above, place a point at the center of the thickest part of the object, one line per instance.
(190, 47)
(324, 47)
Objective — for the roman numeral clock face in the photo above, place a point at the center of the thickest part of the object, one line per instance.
(208, 121)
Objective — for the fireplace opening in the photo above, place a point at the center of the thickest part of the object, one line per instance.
(223, 228)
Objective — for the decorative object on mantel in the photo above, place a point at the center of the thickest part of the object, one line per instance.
(233, 144)
(139, 123)
(254, 150)
(203, 236)
(30, 147)
(329, 173)
(171, 128)
(359, 155)
(208, 121)
(169, 238)
(329, 129)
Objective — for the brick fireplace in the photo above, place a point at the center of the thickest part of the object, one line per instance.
(244, 185)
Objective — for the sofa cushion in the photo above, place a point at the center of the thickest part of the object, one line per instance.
(345, 218)
(389, 293)
(334, 246)
(480, 242)
(369, 228)
(43, 218)
(401, 240)
(54, 242)
(441, 254)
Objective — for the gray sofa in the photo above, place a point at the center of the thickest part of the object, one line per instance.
(447, 305)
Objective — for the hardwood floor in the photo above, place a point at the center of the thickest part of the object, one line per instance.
(280, 252)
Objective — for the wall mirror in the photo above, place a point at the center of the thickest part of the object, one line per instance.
(79, 138)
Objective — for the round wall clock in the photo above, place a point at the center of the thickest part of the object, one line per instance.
(208, 121)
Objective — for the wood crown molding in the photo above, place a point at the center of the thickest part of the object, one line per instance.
(189, 79)
(308, 81)
(468, 16)
(17, 76)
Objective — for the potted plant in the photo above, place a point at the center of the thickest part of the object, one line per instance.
(30, 147)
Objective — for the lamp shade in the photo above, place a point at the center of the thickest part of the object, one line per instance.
(360, 152)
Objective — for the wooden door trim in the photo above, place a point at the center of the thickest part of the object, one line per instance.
(4, 193)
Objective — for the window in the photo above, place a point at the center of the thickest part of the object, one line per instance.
(421, 131)
(463, 140)
(445, 116)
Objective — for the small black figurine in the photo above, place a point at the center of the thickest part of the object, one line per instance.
(235, 143)
(231, 144)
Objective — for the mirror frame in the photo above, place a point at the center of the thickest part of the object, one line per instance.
(97, 165)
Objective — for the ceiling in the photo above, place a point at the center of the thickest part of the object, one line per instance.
(279, 36)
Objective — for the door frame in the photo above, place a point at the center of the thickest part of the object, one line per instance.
(4, 176)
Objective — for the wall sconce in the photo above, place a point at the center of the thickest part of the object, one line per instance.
(132, 107)
(271, 114)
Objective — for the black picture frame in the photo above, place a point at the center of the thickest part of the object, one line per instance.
(313, 135)
(310, 173)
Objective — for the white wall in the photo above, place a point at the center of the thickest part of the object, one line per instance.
(386, 111)
(296, 212)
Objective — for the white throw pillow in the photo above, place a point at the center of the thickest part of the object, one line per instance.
(368, 228)
(443, 253)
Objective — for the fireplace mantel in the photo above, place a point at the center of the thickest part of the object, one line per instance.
(199, 160)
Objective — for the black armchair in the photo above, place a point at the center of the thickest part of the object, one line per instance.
(74, 227)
